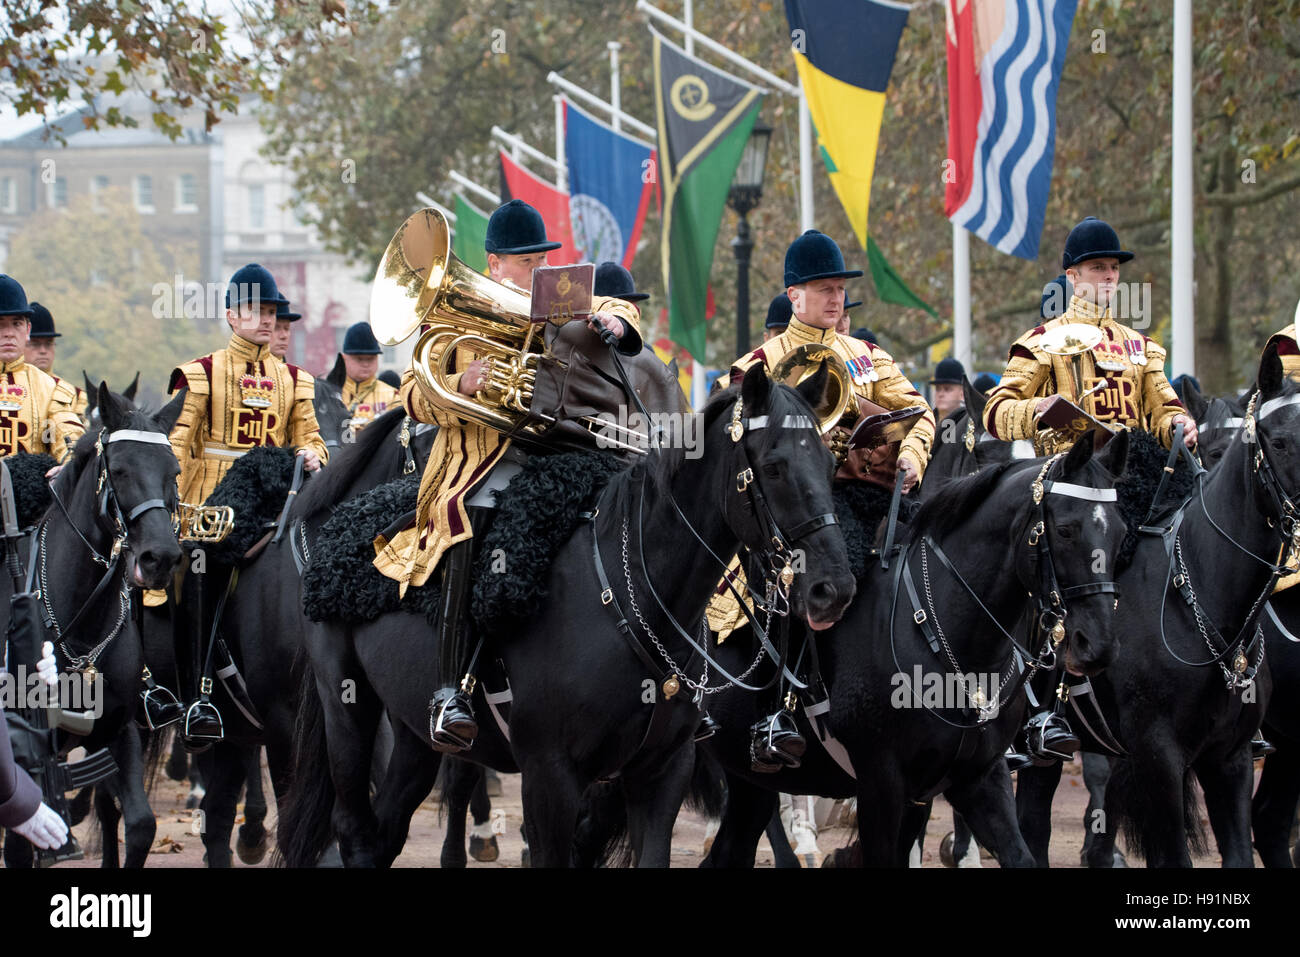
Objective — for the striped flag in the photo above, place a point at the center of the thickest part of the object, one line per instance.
(1004, 68)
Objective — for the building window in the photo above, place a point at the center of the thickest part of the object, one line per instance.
(187, 193)
(8, 195)
(57, 197)
(256, 207)
(144, 194)
(97, 186)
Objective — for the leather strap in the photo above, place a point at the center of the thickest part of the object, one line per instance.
(1106, 740)
(891, 528)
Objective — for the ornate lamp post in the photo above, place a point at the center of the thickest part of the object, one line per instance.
(746, 190)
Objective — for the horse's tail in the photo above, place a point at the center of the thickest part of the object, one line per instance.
(304, 831)
(157, 750)
(1140, 819)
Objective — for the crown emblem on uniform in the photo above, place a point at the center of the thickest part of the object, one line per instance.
(11, 397)
(257, 392)
(1110, 356)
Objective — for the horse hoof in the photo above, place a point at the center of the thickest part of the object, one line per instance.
(251, 854)
(484, 850)
(945, 850)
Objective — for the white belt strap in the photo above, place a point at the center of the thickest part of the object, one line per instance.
(1081, 491)
(832, 745)
(1272, 405)
(222, 451)
(1233, 423)
(136, 435)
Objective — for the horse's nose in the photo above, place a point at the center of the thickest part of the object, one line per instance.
(159, 561)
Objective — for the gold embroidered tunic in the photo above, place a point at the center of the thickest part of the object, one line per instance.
(367, 400)
(1287, 350)
(36, 412)
(239, 398)
(81, 401)
(1137, 394)
(463, 454)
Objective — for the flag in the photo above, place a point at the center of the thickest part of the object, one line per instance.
(1004, 68)
(471, 231)
(844, 52)
(553, 204)
(889, 284)
(704, 118)
(609, 187)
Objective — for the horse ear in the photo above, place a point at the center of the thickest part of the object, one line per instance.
(168, 414)
(1079, 455)
(90, 386)
(1270, 372)
(813, 388)
(975, 402)
(129, 392)
(1194, 400)
(755, 389)
(110, 408)
(1114, 456)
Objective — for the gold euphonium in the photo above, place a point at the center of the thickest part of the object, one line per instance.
(420, 281)
(838, 406)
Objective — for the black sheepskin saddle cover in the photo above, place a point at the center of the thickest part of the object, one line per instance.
(535, 515)
(1136, 489)
(255, 487)
(31, 491)
(860, 508)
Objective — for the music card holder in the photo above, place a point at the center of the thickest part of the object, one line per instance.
(1061, 413)
(561, 293)
(880, 426)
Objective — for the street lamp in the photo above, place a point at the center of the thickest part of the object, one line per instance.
(746, 190)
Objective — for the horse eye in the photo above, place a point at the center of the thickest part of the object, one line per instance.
(773, 470)
(1279, 445)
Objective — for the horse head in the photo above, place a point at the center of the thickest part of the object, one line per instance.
(1083, 529)
(1271, 431)
(782, 470)
(135, 474)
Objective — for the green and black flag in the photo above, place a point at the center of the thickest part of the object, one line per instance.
(704, 117)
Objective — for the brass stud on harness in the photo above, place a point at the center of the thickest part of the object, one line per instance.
(90, 673)
(1058, 633)
(970, 435)
(979, 699)
(736, 429)
(1239, 663)
(671, 686)
(787, 576)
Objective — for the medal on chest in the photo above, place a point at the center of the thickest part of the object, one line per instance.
(256, 391)
(861, 370)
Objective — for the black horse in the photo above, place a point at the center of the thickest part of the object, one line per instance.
(1273, 809)
(582, 700)
(112, 523)
(1178, 700)
(894, 744)
(262, 625)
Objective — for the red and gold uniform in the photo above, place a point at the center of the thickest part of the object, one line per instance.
(367, 400)
(81, 402)
(1138, 394)
(239, 398)
(37, 412)
(1287, 350)
(463, 454)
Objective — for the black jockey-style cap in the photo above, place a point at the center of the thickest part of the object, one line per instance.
(360, 340)
(13, 300)
(282, 311)
(865, 334)
(850, 304)
(253, 282)
(616, 282)
(779, 312)
(391, 377)
(516, 229)
(42, 323)
(983, 382)
(949, 371)
(1092, 239)
(814, 255)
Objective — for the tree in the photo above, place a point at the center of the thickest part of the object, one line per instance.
(55, 53)
(111, 295)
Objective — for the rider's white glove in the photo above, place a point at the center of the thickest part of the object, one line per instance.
(45, 829)
(47, 667)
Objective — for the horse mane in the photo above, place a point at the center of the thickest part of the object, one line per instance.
(325, 488)
(958, 498)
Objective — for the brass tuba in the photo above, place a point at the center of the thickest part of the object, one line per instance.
(838, 406)
(420, 281)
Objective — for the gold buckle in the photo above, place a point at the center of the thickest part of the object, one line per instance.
(145, 675)
(607, 596)
(743, 479)
(920, 616)
(1036, 533)
(468, 684)
(205, 686)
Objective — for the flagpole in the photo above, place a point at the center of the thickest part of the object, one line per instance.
(616, 112)
(806, 217)
(591, 99)
(1182, 303)
(961, 337)
(474, 187)
(561, 181)
(428, 200)
(518, 145)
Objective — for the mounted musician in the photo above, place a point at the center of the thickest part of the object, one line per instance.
(1287, 349)
(1110, 375)
(814, 279)
(355, 375)
(40, 353)
(37, 412)
(472, 457)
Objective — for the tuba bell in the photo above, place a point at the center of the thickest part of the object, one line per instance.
(420, 282)
(838, 407)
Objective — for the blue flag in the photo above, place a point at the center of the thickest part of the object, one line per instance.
(610, 180)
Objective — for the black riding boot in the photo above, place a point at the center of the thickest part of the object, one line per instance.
(1050, 738)
(452, 725)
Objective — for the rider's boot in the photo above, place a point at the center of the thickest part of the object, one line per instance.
(1050, 738)
(1259, 747)
(707, 727)
(775, 741)
(452, 725)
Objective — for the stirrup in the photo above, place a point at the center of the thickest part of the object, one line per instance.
(707, 728)
(160, 707)
(445, 740)
(203, 727)
(775, 743)
(1050, 738)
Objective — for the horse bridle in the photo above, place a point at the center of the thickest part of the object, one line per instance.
(110, 510)
(1051, 599)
